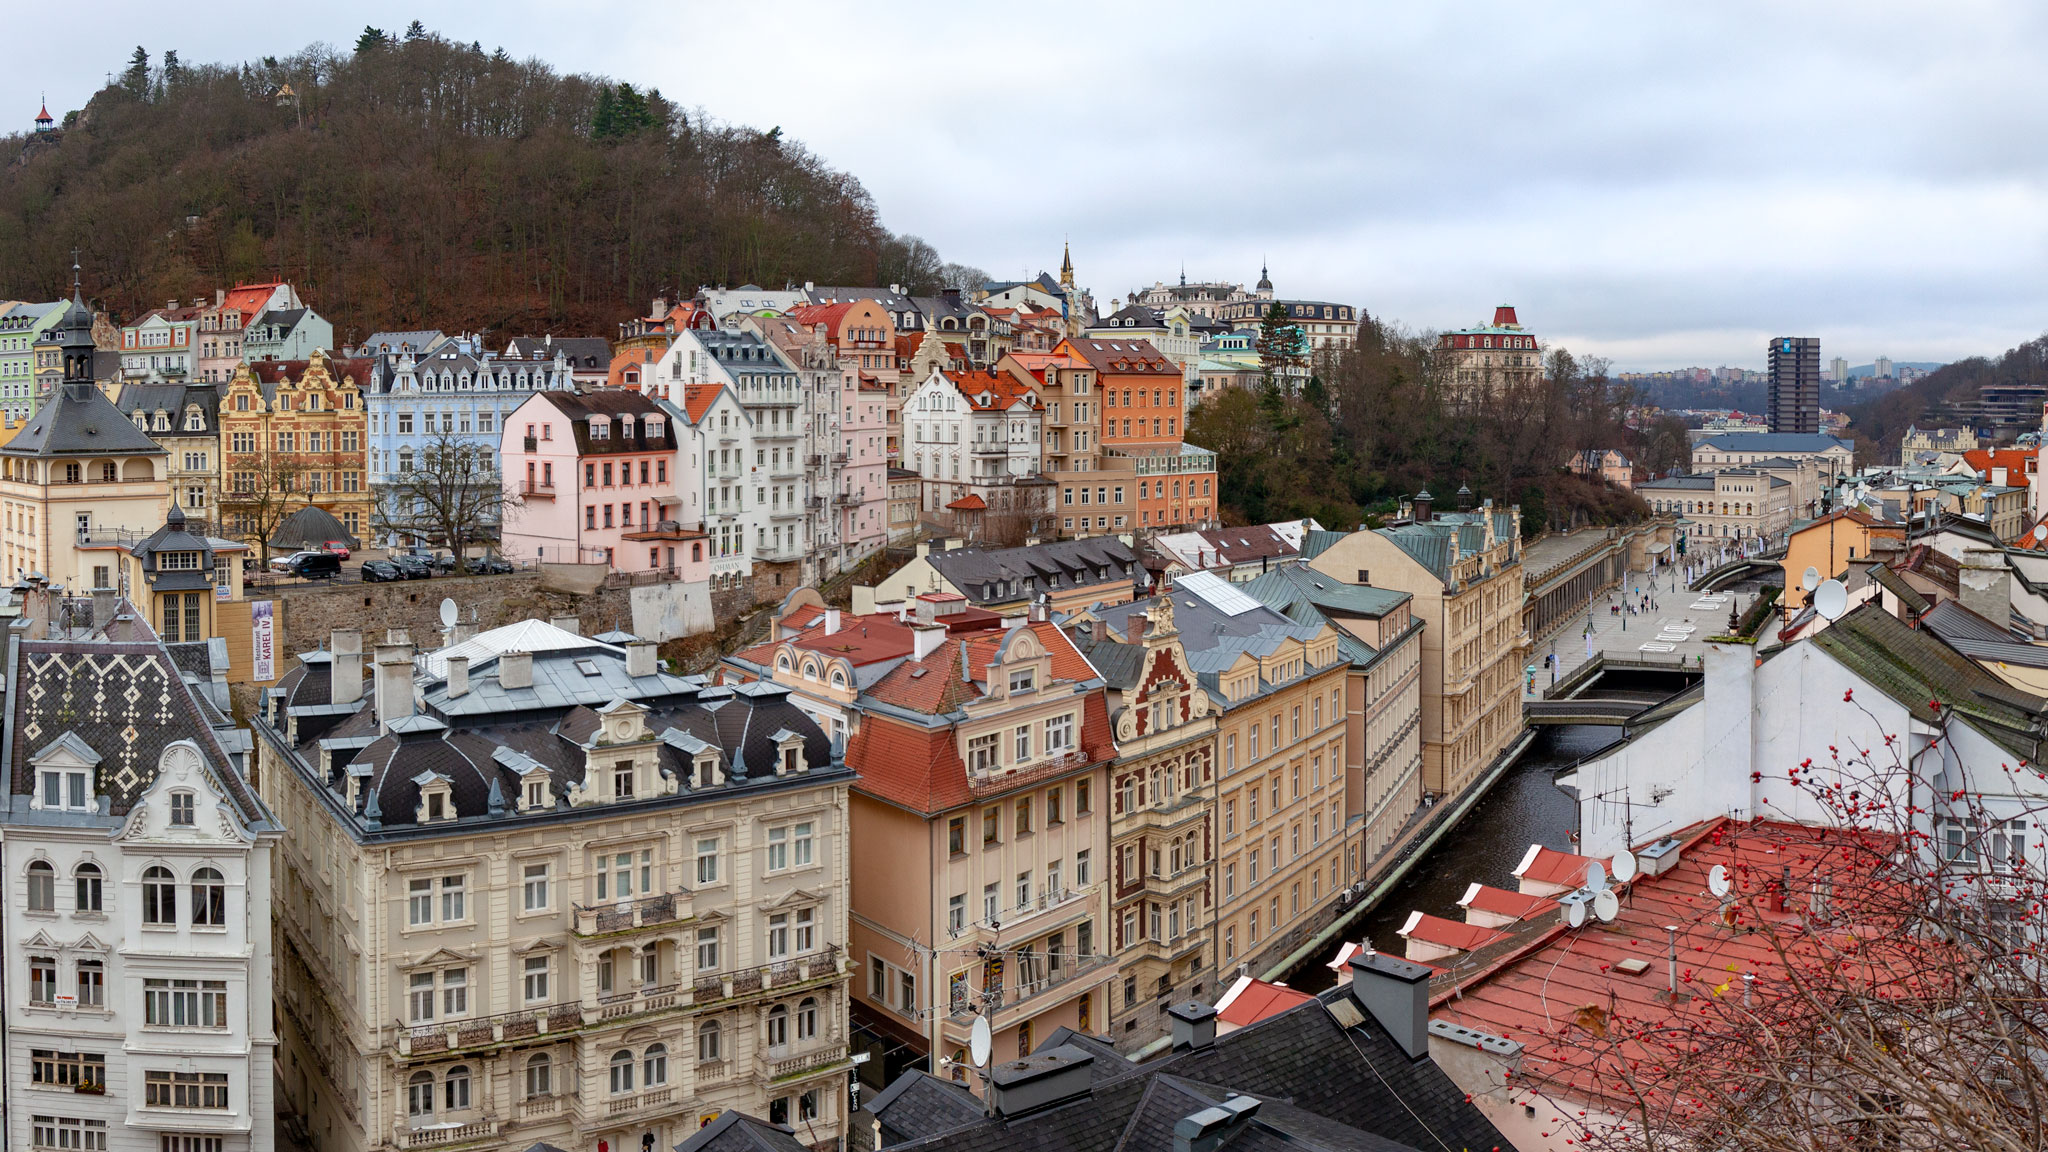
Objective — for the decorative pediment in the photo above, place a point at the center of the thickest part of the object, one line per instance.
(794, 898)
(543, 944)
(89, 943)
(66, 751)
(622, 722)
(440, 956)
(41, 940)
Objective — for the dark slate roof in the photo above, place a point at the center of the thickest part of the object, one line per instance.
(1774, 442)
(743, 351)
(1320, 1086)
(579, 407)
(1317, 541)
(79, 420)
(123, 694)
(173, 537)
(505, 733)
(1884, 577)
(584, 352)
(973, 570)
(1120, 665)
(918, 1104)
(172, 399)
(1686, 482)
(1293, 583)
(310, 527)
(739, 1132)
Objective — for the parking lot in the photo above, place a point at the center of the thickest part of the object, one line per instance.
(256, 576)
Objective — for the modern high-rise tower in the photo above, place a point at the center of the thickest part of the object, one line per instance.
(1794, 397)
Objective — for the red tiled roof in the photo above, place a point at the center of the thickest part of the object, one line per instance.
(920, 769)
(1250, 1001)
(1446, 933)
(1501, 902)
(972, 502)
(1549, 866)
(1558, 991)
(248, 298)
(829, 315)
(1003, 389)
(2018, 462)
(1116, 356)
(698, 399)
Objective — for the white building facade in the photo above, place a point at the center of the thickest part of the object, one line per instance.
(138, 913)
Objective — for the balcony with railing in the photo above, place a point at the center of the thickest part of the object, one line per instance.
(633, 1002)
(635, 1104)
(788, 1064)
(537, 489)
(848, 499)
(1175, 813)
(447, 1135)
(628, 915)
(1051, 909)
(1007, 1004)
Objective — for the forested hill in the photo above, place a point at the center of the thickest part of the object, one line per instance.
(417, 181)
(1879, 423)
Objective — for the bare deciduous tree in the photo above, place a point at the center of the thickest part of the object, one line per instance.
(260, 494)
(455, 496)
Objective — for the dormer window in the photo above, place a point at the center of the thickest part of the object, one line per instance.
(195, 420)
(68, 790)
(1023, 680)
(600, 429)
(535, 796)
(437, 802)
(705, 771)
(181, 809)
(622, 780)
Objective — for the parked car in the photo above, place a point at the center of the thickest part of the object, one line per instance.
(411, 567)
(380, 571)
(335, 548)
(286, 562)
(316, 566)
(491, 566)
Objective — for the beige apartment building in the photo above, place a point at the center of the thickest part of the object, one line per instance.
(77, 472)
(982, 743)
(1732, 504)
(535, 890)
(1382, 640)
(1277, 688)
(1162, 821)
(1463, 571)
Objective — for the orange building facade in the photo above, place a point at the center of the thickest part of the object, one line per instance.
(299, 424)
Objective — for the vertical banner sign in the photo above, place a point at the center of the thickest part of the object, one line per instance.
(262, 641)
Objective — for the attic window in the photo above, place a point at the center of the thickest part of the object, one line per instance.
(587, 667)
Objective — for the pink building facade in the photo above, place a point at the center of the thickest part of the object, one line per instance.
(590, 478)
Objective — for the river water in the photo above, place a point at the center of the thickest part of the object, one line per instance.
(1523, 808)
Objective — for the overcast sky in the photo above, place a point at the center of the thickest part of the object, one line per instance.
(1662, 185)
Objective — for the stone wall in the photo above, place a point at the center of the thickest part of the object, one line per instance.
(308, 613)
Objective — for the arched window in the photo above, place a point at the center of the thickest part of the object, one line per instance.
(807, 1019)
(622, 1071)
(655, 1061)
(419, 1094)
(88, 878)
(455, 1088)
(778, 1028)
(42, 887)
(782, 663)
(209, 898)
(838, 678)
(707, 1041)
(540, 1076)
(159, 896)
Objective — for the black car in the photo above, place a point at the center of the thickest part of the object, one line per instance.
(411, 567)
(380, 571)
(315, 566)
(490, 566)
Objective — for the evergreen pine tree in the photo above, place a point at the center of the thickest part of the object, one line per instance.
(1278, 347)
(174, 72)
(604, 122)
(415, 31)
(371, 40)
(136, 79)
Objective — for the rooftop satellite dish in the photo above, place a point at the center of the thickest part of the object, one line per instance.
(1606, 905)
(2040, 532)
(1575, 913)
(1717, 881)
(1809, 578)
(449, 613)
(1624, 866)
(978, 1042)
(1596, 876)
(1831, 600)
